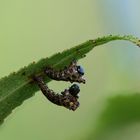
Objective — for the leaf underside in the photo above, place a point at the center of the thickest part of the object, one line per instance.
(18, 86)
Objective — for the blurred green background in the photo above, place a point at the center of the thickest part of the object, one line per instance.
(31, 29)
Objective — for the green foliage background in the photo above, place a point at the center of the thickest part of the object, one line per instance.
(31, 30)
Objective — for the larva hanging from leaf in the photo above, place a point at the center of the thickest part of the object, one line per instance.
(72, 73)
(68, 98)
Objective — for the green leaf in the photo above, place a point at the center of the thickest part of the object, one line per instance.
(18, 86)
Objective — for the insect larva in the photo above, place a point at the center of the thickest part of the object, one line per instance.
(68, 98)
(72, 73)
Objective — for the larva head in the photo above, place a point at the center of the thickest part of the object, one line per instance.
(80, 70)
(74, 90)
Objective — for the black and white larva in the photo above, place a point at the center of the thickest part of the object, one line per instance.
(68, 98)
(72, 73)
